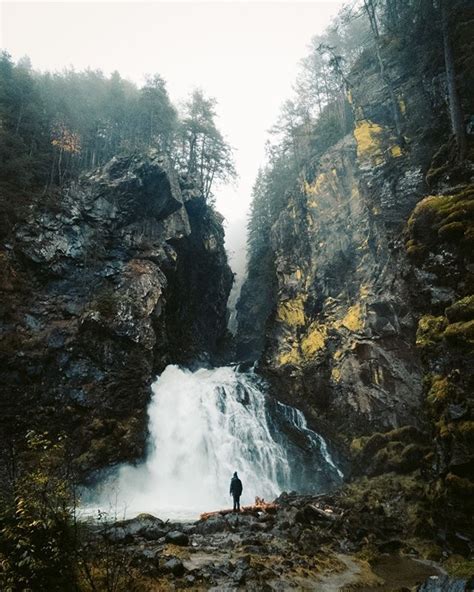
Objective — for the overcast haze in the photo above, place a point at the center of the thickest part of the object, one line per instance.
(245, 54)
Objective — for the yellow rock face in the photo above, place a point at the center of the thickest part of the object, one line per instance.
(402, 105)
(315, 187)
(304, 349)
(324, 184)
(290, 357)
(306, 339)
(353, 319)
(314, 340)
(396, 151)
(369, 143)
(291, 312)
(370, 146)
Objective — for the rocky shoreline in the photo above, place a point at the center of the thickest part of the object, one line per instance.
(345, 540)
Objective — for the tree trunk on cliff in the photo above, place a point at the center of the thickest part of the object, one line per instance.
(369, 6)
(393, 14)
(454, 101)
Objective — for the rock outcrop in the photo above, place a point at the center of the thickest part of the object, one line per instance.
(342, 335)
(123, 275)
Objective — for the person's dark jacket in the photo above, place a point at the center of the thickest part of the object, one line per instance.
(236, 487)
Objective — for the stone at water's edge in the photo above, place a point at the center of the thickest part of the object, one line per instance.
(144, 525)
(446, 584)
(101, 289)
(174, 566)
(176, 537)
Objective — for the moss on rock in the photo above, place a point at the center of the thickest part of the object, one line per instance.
(460, 333)
(430, 330)
(401, 450)
(449, 218)
(460, 485)
(440, 392)
(462, 310)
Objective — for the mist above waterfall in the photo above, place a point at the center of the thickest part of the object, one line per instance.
(204, 425)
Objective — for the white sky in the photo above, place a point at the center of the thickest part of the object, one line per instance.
(245, 54)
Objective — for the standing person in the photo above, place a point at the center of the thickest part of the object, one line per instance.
(236, 491)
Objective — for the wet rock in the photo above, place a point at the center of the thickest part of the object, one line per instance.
(390, 546)
(189, 529)
(443, 584)
(251, 541)
(174, 566)
(310, 541)
(128, 310)
(295, 533)
(144, 525)
(212, 525)
(176, 537)
(242, 571)
(457, 411)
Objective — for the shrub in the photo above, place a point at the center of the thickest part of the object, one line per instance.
(37, 534)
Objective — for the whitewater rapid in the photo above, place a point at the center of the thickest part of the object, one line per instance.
(203, 426)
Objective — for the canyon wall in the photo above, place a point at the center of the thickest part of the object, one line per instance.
(121, 274)
(368, 323)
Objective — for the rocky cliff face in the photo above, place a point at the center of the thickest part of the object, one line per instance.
(125, 274)
(370, 275)
(342, 336)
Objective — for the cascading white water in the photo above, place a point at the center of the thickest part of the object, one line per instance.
(204, 425)
(296, 417)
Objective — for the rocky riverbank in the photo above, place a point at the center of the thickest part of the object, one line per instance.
(366, 536)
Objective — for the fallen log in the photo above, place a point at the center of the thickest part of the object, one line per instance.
(325, 514)
(260, 505)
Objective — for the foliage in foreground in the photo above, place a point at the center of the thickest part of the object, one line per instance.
(42, 546)
(37, 530)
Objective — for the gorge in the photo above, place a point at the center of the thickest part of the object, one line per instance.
(343, 395)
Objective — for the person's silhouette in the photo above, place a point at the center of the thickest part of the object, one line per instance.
(236, 491)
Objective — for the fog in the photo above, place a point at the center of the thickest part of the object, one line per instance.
(245, 54)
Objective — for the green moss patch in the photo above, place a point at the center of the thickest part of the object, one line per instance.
(463, 310)
(401, 451)
(440, 392)
(460, 485)
(459, 567)
(445, 218)
(430, 330)
(460, 333)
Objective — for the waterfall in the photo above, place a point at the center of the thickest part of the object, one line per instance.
(204, 425)
(296, 417)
